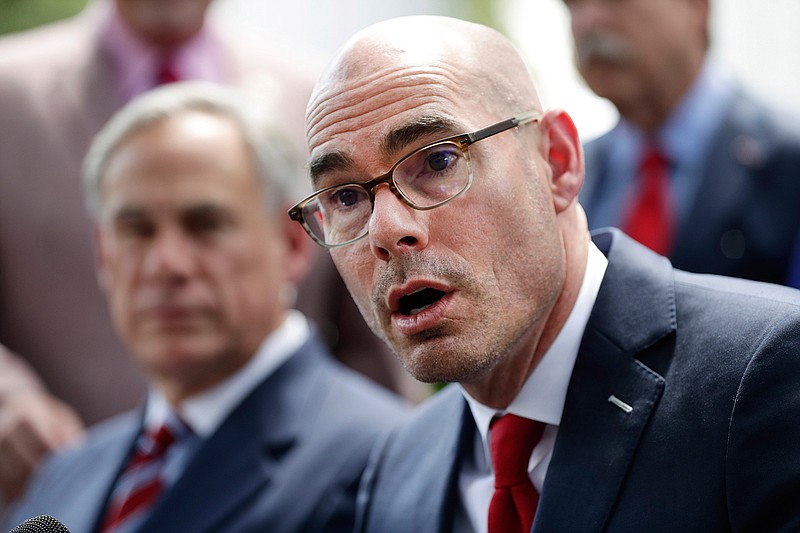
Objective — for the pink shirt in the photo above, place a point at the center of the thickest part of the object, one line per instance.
(137, 63)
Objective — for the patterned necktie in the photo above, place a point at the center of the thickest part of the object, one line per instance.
(651, 220)
(514, 501)
(141, 483)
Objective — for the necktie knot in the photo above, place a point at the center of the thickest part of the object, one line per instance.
(167, 72)
(653, 160)
(155, 443)
(512, 441)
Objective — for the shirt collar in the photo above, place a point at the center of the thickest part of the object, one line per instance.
(205, 412)
(543, 395)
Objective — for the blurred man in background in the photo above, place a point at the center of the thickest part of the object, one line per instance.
(59, 359)
(696, 169)
(250, 424)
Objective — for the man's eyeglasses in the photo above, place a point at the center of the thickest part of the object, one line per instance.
(424, 179)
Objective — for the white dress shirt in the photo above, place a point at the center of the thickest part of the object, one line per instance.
(541, 398)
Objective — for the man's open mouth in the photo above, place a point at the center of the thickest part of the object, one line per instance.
(418, 301)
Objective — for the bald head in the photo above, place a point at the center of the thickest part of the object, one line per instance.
(466, 61)
(441, 101)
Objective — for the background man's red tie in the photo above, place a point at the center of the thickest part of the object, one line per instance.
(166, 72)
(514, 501)
(141, 482)
(651, 219)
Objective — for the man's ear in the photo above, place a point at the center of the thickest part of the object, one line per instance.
(100, 264)
(300, 249)
(565, 157)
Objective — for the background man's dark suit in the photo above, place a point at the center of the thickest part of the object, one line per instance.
(745, 217)
(711, 442)
(288, 458)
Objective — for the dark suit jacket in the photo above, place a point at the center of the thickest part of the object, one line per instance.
(287, 459)
(745, 216)
(711, 367)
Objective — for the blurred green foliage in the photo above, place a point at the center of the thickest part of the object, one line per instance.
(16, 15)
(481, 11)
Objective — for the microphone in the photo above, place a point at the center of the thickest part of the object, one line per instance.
(40, 524)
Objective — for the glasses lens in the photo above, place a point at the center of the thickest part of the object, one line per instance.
(339, 215)
(434, 175)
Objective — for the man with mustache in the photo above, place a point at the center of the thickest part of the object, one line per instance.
(261, 429)
(696, 168)
(598, 388)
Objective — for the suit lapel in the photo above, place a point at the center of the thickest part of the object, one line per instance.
(244, 454)
(419, 469)
(612, 392)
(438, 502)
(105, 457)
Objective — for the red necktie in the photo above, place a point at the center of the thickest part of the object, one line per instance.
(141, 482)
(514, 501)
(651, 219)
(167, 73)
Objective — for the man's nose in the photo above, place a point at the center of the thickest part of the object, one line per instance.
(394, 227)
(172, 255)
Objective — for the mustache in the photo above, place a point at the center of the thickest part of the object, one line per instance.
(401, 269)
(603, 47)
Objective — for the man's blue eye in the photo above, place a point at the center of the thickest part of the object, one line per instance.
(439, 161)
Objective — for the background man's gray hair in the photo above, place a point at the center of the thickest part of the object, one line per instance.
(277, 159)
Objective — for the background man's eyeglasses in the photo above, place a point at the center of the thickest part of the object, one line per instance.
(424, 179)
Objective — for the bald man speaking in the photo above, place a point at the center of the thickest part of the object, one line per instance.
(597, 388)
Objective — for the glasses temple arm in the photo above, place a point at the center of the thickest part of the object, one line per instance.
(488, 131)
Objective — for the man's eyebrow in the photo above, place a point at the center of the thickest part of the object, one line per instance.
(424, 126)
(391, 143)
(127, 212)
(330, 162)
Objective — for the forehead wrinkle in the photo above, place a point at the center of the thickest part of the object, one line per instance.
(357, 98)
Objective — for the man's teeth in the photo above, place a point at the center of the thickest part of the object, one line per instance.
(418, 309)
(418, 301)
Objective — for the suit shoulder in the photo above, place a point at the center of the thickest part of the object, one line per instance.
(98, 438)
(26, 49)
(738, 314)
(61, 478)
(752, 296)
(766, 122)
(442, 410)
(33, 63)
(367, 402)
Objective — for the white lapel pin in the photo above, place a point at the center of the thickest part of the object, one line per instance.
(619, 403)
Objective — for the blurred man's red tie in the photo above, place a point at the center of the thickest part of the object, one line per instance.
(141, 483)
(166, 72)
(651, 219)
